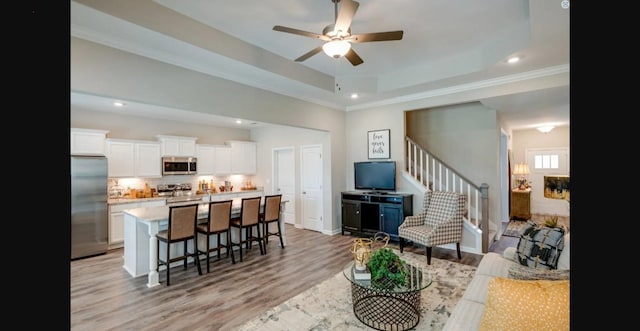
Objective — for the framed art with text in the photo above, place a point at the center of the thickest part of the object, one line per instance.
(378, 144)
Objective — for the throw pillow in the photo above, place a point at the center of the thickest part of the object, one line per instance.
(526, 305)
(540, 246)
(526, 273)
(564, 261)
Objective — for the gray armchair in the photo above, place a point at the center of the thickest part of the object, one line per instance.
(439, 222)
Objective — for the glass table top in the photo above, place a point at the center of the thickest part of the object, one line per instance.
(417, 279)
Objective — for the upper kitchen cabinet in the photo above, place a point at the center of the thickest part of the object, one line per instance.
(243, 157)
(148, 162)
(129, 158)
(222, 160)
(121, 158)
(177, 146)
(88, 142)
(206, 159)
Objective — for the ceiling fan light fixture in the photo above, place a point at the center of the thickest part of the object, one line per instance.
(336, 48)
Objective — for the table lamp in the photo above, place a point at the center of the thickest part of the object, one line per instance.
(521, 169)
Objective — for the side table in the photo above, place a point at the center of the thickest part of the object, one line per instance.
(520, 204)
(388, 310)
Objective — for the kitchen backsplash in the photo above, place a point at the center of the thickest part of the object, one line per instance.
(237, 181)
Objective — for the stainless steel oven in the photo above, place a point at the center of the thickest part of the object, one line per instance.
(175, 165)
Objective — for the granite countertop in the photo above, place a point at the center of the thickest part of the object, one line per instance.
(159, 213)
(130, 200)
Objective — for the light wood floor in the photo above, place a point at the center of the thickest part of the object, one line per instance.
(105, 297)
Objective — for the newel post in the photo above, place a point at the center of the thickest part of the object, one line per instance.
(484, 226)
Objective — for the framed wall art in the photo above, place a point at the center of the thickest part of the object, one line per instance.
(557, 187)
(378, 144)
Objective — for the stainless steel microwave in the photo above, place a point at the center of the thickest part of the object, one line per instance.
(177, 165)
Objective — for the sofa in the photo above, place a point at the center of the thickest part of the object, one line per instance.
(469, 312)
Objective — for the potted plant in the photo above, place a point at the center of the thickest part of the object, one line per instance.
(388, 271)
(551, 221)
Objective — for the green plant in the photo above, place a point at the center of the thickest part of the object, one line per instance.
(551, 221)
(387, 269)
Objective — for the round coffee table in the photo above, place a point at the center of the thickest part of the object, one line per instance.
(388, 310)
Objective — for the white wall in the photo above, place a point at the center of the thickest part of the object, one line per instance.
(144, 128)
(466, 137)
(272, 137)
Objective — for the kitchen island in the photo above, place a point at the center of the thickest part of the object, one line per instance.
(140, 244)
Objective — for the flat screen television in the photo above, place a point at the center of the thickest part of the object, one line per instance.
(375, 175)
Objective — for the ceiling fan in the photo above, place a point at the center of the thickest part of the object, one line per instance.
(338, 35)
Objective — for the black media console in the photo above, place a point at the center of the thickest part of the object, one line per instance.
(365, 213)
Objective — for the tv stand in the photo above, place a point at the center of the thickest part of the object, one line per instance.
(365, 213)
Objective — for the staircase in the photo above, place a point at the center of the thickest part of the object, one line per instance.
(427, 172)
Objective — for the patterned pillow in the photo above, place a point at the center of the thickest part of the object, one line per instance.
(540, 246)
(525, 305)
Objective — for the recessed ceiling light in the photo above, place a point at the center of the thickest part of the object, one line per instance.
(118, 104)
(238, 122)
(545, 128)
(513, 59)
(354, 95)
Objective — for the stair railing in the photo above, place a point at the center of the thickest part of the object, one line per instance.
(434, 174)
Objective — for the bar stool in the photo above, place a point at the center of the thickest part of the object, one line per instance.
(182, 228)
(248, 219)
(218, 223)
(271, 214)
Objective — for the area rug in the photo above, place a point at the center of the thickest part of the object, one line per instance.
(328, 305)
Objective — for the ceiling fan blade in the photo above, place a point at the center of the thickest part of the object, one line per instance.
(309, 54)
(300, 32)
(345, 16)
(376, 36)
(353, 57)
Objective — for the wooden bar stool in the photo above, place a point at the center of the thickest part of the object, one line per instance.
(182, 228)
(248, 219)
(270, 215)
(218, 223)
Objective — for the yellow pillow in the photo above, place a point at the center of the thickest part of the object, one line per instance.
(514, 304)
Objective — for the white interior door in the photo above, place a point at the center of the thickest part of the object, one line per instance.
(311, 177)
(284, 181)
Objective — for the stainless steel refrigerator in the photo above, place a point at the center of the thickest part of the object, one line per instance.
(89, 212)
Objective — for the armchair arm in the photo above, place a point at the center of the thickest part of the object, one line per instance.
(447, 232)
(414, 220)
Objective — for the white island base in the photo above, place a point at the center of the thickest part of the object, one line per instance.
(140, 243)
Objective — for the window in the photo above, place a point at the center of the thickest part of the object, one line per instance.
(549, 161)
(545, 161)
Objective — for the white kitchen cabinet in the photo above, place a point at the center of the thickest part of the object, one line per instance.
(88, 142)
(243, 157)
(116, 223)
(116, 219)
(131, 158)
(148, 163)
(222, 160)
(177, 146)
(206, 159)
(120, 158)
